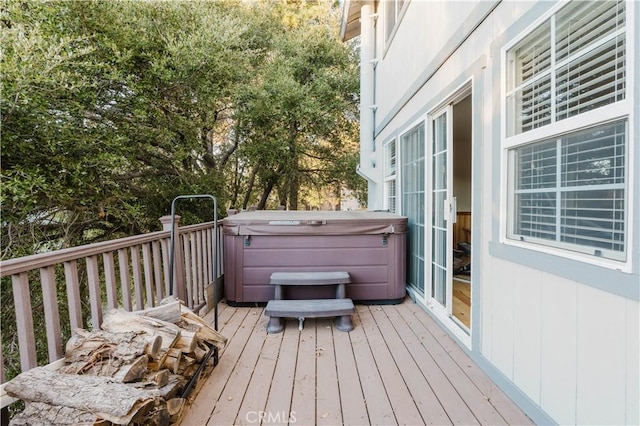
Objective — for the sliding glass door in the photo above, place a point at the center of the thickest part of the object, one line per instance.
(443, 208)
(413, 203)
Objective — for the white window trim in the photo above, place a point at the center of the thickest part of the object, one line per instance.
(616, 111)
(394, 177)
(388, 38)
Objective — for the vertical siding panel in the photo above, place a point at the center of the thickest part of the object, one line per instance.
(527, 351)
(73, 294)
(110, 280)
(95, 299)
(486, 340)
(148, 273)
(558, 364)
(633, 362)
(137, 277)
(123, 262)
(24, 321)
(601, 357)
(51, 313)
(503, 317)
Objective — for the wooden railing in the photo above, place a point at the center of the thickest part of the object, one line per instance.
(130, 273)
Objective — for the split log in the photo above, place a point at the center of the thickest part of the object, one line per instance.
(123, 321)
(187, 342)
(125, 345)
(169, 310)
(158, 417)
(175, 408)
(158, 378)
(39, 413)
(109, 400)
(123, 356)
(132, 372)
(200, 352)
(204, 331)
(175, 383)
(173, 360)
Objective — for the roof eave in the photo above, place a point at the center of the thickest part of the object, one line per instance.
(350, 27)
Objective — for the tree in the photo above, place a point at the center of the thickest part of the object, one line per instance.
(299, 113)
(111, 109)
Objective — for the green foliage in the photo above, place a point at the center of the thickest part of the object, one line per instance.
(111, 109)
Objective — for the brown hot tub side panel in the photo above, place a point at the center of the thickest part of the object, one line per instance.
(375, 261)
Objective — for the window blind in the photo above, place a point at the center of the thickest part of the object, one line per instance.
(571, 189)
(582, 23)
(390, 167)
(390, 157)
(585, 56)
(391, 195)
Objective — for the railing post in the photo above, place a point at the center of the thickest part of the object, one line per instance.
(179, 289)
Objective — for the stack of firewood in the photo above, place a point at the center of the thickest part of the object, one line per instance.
(132, 371)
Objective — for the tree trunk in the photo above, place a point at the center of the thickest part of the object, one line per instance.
(294, 188)
(237, 174)
(252, 180)
(294, 183)
(271, 182)
(227, 154)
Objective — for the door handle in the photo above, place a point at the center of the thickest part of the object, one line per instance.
(451, 209)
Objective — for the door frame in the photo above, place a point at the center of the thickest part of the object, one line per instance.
(444, 313)
(442, 209)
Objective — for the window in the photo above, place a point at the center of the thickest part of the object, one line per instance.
(392, 9)
(570, 191)
(568, 184)
(390, 176)
(571, 64)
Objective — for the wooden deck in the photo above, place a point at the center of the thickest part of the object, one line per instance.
(396, 367)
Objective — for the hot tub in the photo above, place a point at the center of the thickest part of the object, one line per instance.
(369, 245)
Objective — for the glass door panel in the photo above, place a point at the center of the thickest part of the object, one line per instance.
(413, 203)
(441, 203)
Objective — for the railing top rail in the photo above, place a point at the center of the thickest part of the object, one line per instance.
(42, 260)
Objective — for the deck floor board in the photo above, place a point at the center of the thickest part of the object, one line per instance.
(448, 397)
(328, 409)
(351, 396)
(396, 367)
(237, 384)
(423, 396)
(402, 402)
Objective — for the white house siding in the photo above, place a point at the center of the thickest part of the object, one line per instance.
(567, 347)
(412, 47)
(570, 348)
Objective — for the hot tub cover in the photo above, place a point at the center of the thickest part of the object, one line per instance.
(281, 222)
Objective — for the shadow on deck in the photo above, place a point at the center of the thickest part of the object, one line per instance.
(396, 367)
